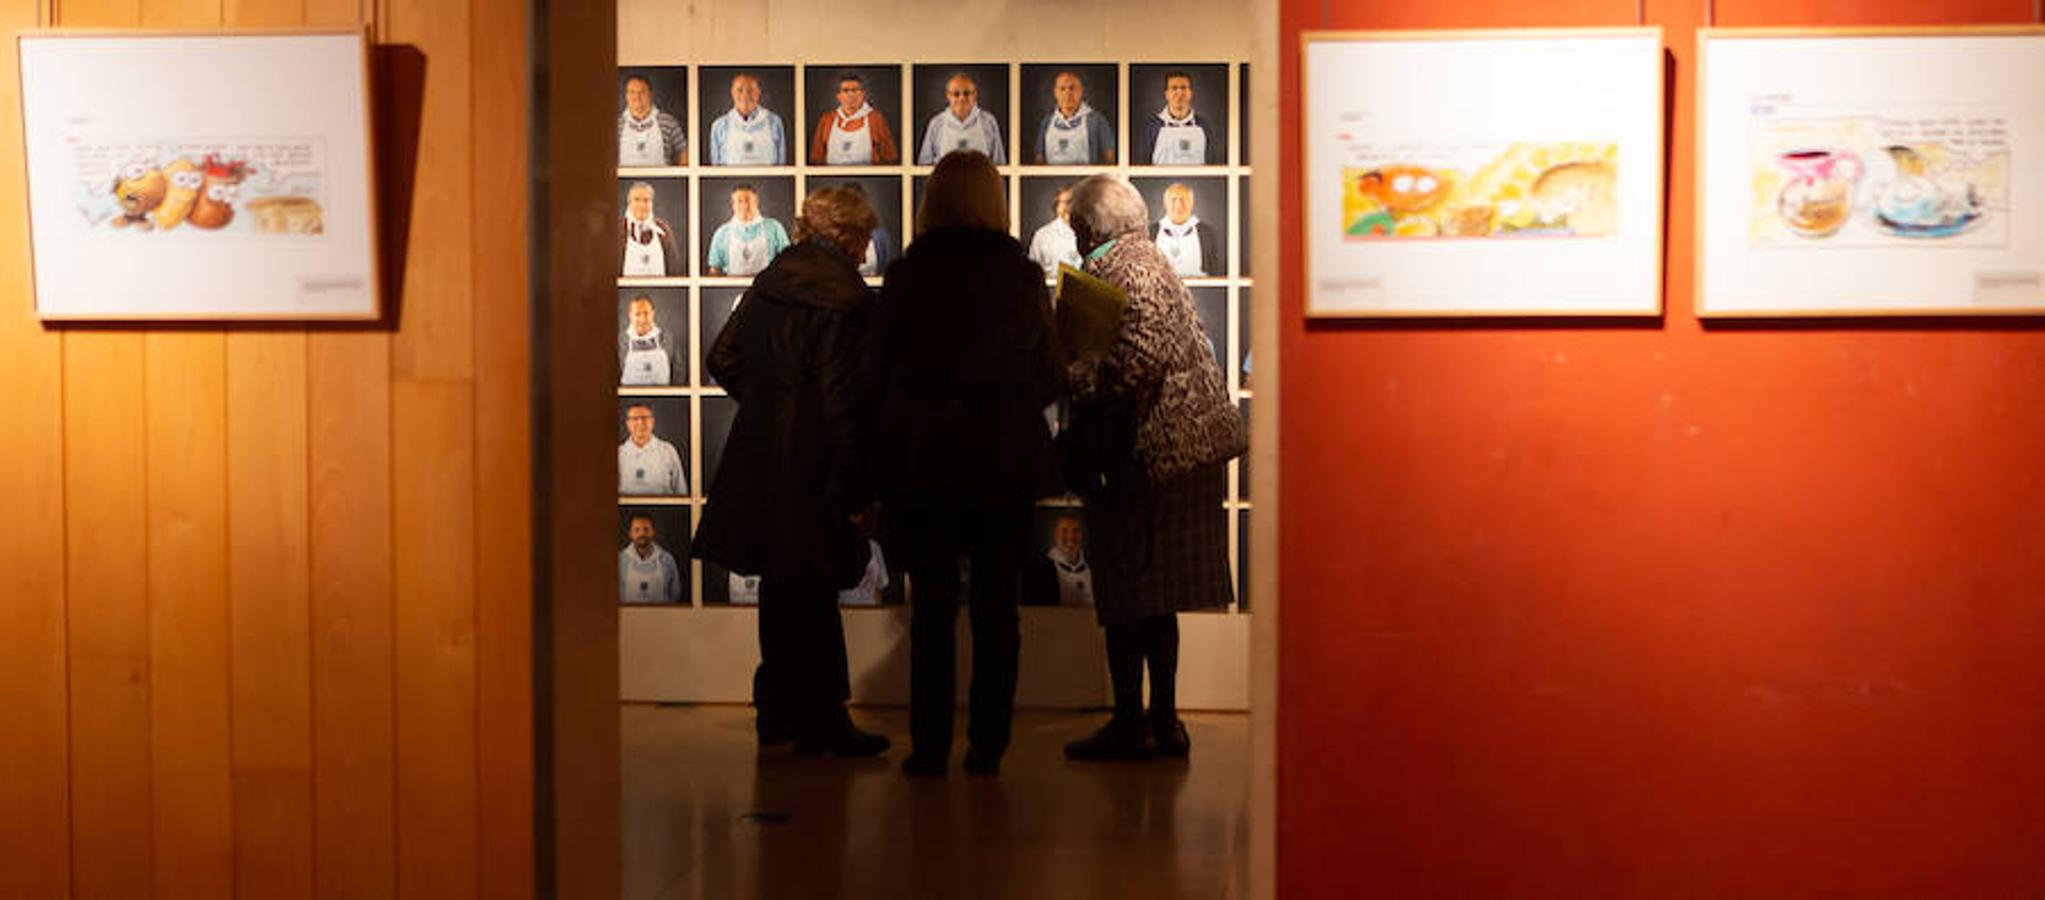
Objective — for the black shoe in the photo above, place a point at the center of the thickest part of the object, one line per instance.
(980, 762)
(847, 741)
(1115, 741)
(924, 765)
(1171, 737)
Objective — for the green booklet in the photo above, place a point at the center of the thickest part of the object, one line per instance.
(1089, 312)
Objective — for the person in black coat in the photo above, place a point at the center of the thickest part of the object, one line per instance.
(968, 361)
(794, 485)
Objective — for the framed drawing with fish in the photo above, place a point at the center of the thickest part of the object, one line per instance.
(1483, 173)
(1861, 172)
(241, 189)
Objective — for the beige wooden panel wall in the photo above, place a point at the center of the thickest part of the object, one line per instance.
(265, 591)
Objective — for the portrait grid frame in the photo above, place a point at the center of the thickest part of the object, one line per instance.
(710, 406)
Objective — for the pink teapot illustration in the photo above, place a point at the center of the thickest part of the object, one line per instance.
(1817, 194)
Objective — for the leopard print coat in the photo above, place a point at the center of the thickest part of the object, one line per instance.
(1162, 361)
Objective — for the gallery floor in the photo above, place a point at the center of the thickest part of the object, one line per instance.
(708, 816)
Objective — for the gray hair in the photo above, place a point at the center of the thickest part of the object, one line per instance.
(1107, 206)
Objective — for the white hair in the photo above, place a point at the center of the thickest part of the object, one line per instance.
(1107, 206)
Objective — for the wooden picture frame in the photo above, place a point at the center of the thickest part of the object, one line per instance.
(241, 189)
(1521, 177)
(1851, 172)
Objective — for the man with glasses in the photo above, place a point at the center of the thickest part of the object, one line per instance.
(647, 465)
(853, 134)
(962, 125)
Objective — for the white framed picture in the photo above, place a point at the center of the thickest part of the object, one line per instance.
(216, 176)
(1871, 172)
(1483, 173)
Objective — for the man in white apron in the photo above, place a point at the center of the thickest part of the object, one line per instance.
(1178, 136)
(1192, 245)
(748, 134)
(646, 135)
(646, 352)
(647, 465)
(1074, 134)
(647, 573)
(1055, 243)
(650, 250)
(1066, 564)
(744, 245)
(854, 133)
(962, 125)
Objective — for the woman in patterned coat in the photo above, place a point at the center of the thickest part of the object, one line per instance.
(1160, 537)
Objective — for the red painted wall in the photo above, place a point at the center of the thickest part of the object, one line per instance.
(1658, 611)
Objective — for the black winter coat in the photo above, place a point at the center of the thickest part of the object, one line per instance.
(968, 359)
(795, 356)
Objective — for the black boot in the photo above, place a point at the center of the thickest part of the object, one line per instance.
(843, 739)
(1171, 737)
(1120, 739)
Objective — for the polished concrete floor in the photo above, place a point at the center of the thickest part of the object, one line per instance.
(708, 816)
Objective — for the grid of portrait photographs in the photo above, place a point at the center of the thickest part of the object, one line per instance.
(713, 161)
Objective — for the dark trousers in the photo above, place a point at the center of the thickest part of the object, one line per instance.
(1152, 639)
(803, 680)
(993, 538)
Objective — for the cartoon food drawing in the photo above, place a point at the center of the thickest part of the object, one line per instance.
(286, 215)
(139, 189)
(215, 205)
(1530, 188)
(185, 182)
(1817, 191)
(1917, 204)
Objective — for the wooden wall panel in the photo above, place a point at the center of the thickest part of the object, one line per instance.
(106, 564)
(254, 643)
(269, 600)
(186, 526)
(434, 525)
(503, 403)
(348, 399)
(35, 832)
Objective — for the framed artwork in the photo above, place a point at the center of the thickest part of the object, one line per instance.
(653, 116)
(1189, 220)
(653, 555)
(1179, 115)
(145, 193)
(1521, 176)
(744, 224)
(653, 337)
(1871, 172)
(961, 107)
(1072, 114)
(746, 114)
(855, 115)
(652, 216)
(653, 447)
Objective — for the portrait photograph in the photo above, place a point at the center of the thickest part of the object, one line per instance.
(653, 337)
(1070, 113)
(961, 107)
(1179, 115)
(653, 116)
(884, 194)
(855, 115)
(1189, 220)
(1243, 461)
(653, 447)
(723, 587)
(1243, 356)
(652, 216)
(1242, 224)
(1046, 231)
(653, 555)
(745, 223)
(714, 306)
(1243, 120)
(745, 115)
(1060, 572)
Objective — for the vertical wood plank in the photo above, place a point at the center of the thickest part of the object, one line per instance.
(107, 604)
(434, 523)
(106, 554)
(184, 451)
(348, 390)
(503, 478)
(436, 340)
(268, 595)
(35, 831)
